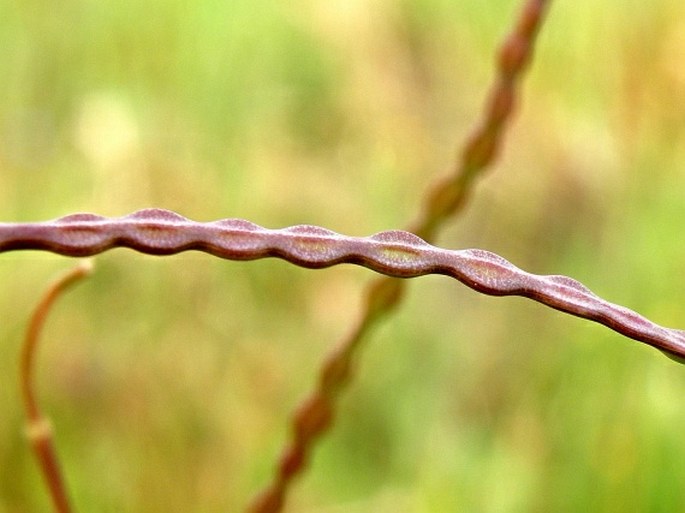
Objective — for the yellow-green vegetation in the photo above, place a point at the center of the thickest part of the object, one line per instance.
(170, 381)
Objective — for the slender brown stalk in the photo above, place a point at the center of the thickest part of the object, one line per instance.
(444, 200)
(38, 428)
(449, 195)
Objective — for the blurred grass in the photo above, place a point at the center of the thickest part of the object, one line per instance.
(170, 381)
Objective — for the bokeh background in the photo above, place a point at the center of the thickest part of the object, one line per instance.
(170, 381)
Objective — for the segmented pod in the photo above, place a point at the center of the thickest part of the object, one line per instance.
(394, 253)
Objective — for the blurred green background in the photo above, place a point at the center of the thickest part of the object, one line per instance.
(170, 381)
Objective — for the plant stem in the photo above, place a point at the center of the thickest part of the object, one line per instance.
(38, 427)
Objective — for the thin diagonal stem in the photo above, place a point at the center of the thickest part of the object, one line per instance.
(38, 428)
(446, 198)
(449, 195)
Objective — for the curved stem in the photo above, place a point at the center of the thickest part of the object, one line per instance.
(38, 428)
